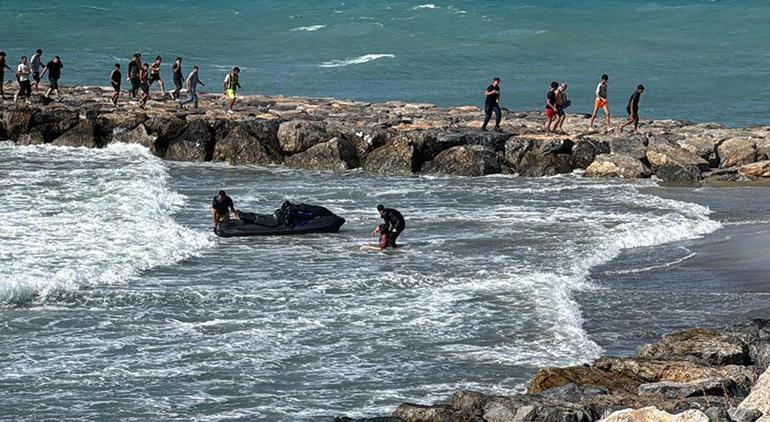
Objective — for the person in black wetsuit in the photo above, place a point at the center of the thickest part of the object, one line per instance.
(134, 68)
(221, 207)
(394, 224)
(633, 109)
(492, 104)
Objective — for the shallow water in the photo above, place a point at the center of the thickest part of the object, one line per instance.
(118, 301)
(700, 60)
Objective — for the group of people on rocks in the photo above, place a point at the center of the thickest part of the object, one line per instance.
(556, 103)
(142, 76)
(393, 221)
(29, 73)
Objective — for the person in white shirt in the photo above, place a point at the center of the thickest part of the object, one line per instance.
(22, 75)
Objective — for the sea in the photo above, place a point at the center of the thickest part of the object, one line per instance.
(118, 302)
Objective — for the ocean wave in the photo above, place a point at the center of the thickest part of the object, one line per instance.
(426, 6)
(87, 218)
(356, 60)
(311, 28)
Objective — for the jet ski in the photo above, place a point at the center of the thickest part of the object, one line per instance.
(290, 219)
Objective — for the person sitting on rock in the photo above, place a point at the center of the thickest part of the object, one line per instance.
(221, 207)
(394, 224)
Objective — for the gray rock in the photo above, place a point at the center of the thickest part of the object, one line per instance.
(617, 165)
(298, 135)
(703, 147)
(137, 135)
(334, 155)
(584, 151)
(525, 413)
(16, 123)
(736, 152)
(738, 414)
(717, 414)
(633, 146)
(680, 390)
(674, 164)
(467, 160)
(535, 159)
(397, 157)
(253, 142)
(574, 393)
(195, 143)
(498, 411)
(82, 135)
(708, 346)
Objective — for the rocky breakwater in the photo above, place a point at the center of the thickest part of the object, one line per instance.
(695, 375)
(391, 138)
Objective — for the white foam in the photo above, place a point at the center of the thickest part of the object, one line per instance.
(86, 218)
(425, 6)
(356, 60)
(311, 28)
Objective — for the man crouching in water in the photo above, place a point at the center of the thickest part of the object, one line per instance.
(220, 209)
(394, 224)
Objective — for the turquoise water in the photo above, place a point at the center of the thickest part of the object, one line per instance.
(700, 60)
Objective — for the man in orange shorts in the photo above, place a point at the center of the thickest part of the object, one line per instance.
(601, 102)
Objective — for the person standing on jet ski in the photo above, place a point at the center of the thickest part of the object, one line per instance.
(220, 208)
(394, 223)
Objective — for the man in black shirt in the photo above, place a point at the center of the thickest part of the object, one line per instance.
(133, 74)
(633, 109)
(492, 104)
(53, 68)
(220, 208)
(394, 223)
(115, 80)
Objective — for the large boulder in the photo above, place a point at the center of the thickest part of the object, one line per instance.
(531, 158)
(396, 157)
(758, 169)
(110, 125)
(492, 140)
(298, 135)
(674, 164)
(634, 146)
(740, 414)
(164, 128)
(253, 142)
(54, 122)
(334, 155)
(759, 398)
(466, 160)
(720, 387)
(699, 344)
(16, 122)
(617, 165)
(195, 143)
(703, 147)
(652, 414)
(365, 137)
(583, 375)
(736, 152)
(418, 413)
(82, 135)
(137, 135)
(584, 151)
(32, 137)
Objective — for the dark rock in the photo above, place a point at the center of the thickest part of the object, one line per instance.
(515, 149)
(617, 165)
(298, 135)
(708, 346)
(584, 151)
(110, 125)
(467, 160)
(492, 140)
(254, 142)
(16, 123)
(633, 146)
(137, 135)
(195, 143)
(574, 393)
(717, 414)
(535, 159)
(756, 332)
(164, 128)
(739, 414)
(397, 157)
(82, 135)
(583, 375)
(54, 122)
(679, 390)
(419, 413)
(674, 164)
(334, 155)
(379, 419)
(32, 137)
(366, 138)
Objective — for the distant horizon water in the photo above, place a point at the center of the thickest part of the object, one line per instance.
(701, 60)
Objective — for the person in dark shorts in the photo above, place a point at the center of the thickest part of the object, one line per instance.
(221, 207)
(155, 75)
(394, 224)
(53, 68)
(3, 67)
(144, 83)
(176, 71)
(633, 109)
(134, 69)
(551, 110)
(492, 104)
(35, 64)
(115, 79)
(192, 89)
(22, 75)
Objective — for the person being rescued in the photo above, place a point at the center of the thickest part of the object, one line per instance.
(394, 224)
(221, 207)
(382, 231)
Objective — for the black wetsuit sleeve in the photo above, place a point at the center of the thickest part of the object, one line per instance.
(230, 204)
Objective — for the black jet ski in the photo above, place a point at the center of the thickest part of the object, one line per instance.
(287, 220)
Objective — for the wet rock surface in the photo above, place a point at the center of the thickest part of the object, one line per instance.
(392, 138)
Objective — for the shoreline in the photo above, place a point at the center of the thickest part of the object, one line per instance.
(393, 138)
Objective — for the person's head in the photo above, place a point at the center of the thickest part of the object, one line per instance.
(640, 88)
(137, 57)
(39, 51)
(381, 208)
(56, 59)
(158, 59)
(554, 85)
(236, 70)
(221, 195)
(117, 66)
(24, 59)
(2, 53)
(563, 87)
(383, 229)
(605, 78)
(195, 68)
(145, 66)
(496, 81)
(179, 60)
